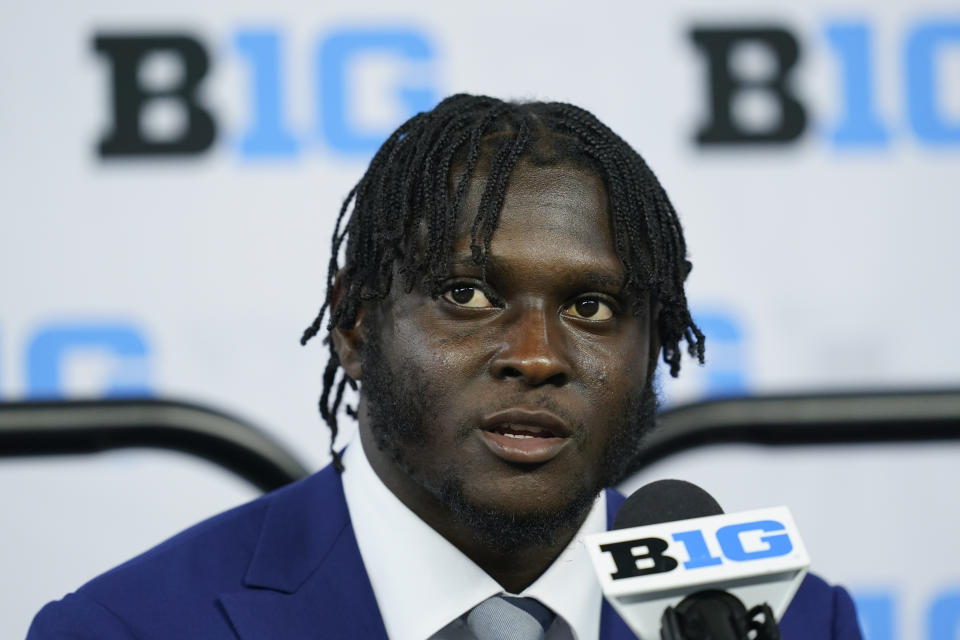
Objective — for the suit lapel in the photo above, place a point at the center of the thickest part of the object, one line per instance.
(306, 578)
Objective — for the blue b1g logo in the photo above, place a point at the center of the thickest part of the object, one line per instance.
(775, 539)
(879, 610)
(92, 358)
(113, 357)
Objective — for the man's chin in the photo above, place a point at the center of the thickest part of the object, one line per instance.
(507, 525)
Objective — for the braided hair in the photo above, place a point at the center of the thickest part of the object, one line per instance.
(404, 217)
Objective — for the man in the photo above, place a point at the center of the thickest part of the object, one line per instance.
(513, 273)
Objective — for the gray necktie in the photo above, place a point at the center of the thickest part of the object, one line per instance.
(506, 618)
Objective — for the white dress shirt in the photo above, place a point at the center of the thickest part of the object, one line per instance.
(424, 585)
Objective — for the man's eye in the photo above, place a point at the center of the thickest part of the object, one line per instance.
(467, 296)
(590, 309)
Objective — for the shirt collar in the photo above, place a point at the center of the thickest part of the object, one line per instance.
(422, 582)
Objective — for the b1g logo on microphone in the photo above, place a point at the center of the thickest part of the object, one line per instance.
(644, 556)
(719, 548)
(757, 556)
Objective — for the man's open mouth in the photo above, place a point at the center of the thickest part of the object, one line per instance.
(525, 436)
(523, 422)
(524, 431)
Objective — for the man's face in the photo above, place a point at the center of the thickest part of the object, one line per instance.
(518, 397)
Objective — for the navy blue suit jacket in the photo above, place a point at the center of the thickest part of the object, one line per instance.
(287, 566)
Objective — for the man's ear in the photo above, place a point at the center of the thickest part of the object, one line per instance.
(347, 341)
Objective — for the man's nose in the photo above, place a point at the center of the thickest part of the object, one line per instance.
(533, 351)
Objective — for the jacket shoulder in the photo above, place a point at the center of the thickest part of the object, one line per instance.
(180, 578)
(820, 611)
(79, 618)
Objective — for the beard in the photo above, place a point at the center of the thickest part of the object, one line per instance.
(400, 416)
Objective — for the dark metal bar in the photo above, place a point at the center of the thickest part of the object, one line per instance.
(88, 426)
(812, 419)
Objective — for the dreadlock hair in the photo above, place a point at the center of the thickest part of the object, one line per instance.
(406, 208)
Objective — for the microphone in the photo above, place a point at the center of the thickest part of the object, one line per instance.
(665, 501)
(676, 567)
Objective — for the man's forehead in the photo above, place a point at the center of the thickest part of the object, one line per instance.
(552, 218)
(538, 183)
(556, 199)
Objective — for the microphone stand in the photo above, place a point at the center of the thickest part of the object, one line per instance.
(717, 615)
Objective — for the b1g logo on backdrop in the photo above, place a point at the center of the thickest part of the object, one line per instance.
(107, 359)
(928, 52)
(343, 86)
(881, 613)
(725, 372)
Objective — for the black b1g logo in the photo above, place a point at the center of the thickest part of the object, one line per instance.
(646, 556)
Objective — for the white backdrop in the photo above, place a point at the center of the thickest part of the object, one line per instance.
(825, 261)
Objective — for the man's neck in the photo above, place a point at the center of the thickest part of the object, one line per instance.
(514, 567)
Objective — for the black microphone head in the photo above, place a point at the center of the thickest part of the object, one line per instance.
(665, 501)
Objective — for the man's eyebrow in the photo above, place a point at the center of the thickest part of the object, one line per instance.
(466, 261)
(600, 279)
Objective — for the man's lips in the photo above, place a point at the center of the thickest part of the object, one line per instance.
(529, 436)
(538, 422)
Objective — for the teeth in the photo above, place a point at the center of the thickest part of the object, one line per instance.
(518, 435)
